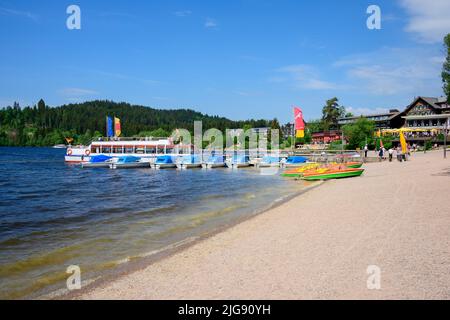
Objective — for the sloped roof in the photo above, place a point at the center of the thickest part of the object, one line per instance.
(431, 101)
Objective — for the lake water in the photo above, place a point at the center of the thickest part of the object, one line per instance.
(53, 215)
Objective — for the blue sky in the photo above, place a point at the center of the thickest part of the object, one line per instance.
(237, 58)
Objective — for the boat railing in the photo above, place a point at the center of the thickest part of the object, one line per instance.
(116, 139)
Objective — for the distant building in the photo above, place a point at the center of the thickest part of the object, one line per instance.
(326, 137)
(262, 130)
(385, 120)
(287, 130)
(422, 112)
(422, 108)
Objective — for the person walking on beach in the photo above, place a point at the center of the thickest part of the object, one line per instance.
(391, 153)
(399, 154)
(366, 149)
(380, 154)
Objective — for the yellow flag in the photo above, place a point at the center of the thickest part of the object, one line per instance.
(117, 127)
(300, 134)
(403, 142)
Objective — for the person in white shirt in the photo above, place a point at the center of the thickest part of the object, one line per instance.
(391, 153)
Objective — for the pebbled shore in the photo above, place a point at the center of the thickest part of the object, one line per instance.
(320, 244)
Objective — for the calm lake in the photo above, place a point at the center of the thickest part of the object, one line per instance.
(53, 215)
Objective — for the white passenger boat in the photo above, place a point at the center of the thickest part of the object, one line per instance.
(146, 148)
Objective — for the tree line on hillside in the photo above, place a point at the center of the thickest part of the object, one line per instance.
(42, 125)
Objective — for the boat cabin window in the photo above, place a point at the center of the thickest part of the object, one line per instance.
(169, 150)
(151, 150)
(129, 150)
(160, 149)
(106, 150)
(140, 150)
(117, 150)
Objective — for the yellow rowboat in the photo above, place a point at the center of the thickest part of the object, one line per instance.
(297, 172)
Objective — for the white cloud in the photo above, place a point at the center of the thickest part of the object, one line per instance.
(183, 13)
(210, 23)
(391, 71)
(247, 93)
(13, 12)
(430, 20)
(77, 92)
(306, 77)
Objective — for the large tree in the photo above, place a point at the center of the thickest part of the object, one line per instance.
(446, 68)
(331, 112)
(359, 132)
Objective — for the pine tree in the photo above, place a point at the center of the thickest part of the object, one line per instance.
(446, 68)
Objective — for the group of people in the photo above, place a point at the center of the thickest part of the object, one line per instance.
(392, 152)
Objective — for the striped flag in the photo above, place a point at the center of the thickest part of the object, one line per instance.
(117, 127)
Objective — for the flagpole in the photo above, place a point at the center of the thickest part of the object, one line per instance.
(293, 134)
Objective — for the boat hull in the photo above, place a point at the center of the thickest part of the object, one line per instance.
(131, 165)
(354, 166)
(268, 165)
(291, 175)
(293, 165)
(333, 175)
(96, 165)
(237, 165)
(185, 166)
(164, 166)
(213, 165)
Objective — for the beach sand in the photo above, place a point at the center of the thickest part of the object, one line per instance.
(320, 244)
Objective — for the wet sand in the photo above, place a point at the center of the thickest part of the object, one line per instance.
(320, 244)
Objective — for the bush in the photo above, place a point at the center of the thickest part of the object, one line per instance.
(358, 133)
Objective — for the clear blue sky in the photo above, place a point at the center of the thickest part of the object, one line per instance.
(237, 58)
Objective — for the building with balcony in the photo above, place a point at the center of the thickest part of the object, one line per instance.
(387, 120)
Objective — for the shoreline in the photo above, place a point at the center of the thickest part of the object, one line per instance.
(140, 263)
(317, 245)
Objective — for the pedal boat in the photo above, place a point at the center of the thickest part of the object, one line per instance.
(100, 161)
(164, 162)
(268, 161)
(214, 162)
(188, 162)
(331, 173)
(129, 162)
(238, 162)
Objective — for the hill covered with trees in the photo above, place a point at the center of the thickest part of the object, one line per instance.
(42, 125)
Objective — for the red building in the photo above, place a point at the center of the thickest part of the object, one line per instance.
(326, 137)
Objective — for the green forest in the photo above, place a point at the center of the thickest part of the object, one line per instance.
(42, 125)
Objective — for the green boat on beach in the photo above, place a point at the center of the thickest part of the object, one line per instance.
(333, 174)
(355, 166)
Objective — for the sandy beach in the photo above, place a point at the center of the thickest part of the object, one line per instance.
(320, 244)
